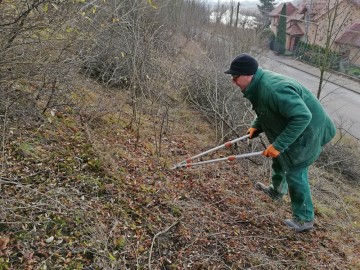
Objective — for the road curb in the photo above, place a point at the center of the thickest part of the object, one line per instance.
(316, 75)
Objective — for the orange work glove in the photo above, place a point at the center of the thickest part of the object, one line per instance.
(253, 132)
(271, 152)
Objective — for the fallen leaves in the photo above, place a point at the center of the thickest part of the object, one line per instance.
(101, 207)
(3, 243)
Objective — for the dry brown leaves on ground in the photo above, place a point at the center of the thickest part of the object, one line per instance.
(110, 203)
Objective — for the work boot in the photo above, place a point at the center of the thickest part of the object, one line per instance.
(299, 225)
(268, 190)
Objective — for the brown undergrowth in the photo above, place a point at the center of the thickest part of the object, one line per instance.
(81, 194)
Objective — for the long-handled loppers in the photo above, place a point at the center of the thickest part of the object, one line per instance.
(189, 162)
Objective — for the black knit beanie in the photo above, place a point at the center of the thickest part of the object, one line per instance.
(243, 64)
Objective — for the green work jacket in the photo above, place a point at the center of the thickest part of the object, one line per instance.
(292, 118)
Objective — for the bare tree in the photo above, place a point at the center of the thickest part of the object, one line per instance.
(335, 19)
(220, 12)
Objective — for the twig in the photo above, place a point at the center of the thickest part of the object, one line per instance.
(335, 162)
(28, 187)
(3, 181)
(4, 134)
(157, 235)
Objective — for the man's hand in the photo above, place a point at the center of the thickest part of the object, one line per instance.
(253, 132)
(271, 152)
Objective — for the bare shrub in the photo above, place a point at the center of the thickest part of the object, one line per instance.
(34, 53)
(125, 34)
(221, 104)
(343, 159)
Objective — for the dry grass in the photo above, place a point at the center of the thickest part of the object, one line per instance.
(105, 196)
(85, 191)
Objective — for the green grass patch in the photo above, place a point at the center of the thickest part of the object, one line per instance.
(325, 211)
(354, 71)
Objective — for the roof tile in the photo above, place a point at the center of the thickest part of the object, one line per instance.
(351, 36)
(294, 30)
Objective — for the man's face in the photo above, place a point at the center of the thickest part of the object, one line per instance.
(242, 81)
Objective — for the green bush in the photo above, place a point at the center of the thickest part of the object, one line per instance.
(280, 40)
(354, 71)
(267, 37)
(316, 54)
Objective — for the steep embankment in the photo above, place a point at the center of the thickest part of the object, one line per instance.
(80, 191)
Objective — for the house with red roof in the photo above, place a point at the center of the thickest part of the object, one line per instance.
(313, 19)
(349, 44)
(294, 27)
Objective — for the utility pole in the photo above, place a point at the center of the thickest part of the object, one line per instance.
(307, 20)
(237, 15)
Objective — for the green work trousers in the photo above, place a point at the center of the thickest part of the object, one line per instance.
(297, 183)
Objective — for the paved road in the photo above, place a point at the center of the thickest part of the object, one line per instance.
(340, 95)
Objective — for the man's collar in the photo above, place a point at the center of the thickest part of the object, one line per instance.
(251, 88)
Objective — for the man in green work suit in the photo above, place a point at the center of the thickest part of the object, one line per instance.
(295, 124)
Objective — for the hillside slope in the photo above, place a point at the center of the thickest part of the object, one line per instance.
(79, 191)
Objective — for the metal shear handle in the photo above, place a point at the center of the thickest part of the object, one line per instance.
(189, 162)
(229, 158)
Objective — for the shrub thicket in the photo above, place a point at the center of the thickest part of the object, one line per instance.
(315, 54)
(280, 41)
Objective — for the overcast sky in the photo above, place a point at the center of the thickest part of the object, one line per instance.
(250, 5)
(241, 1)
